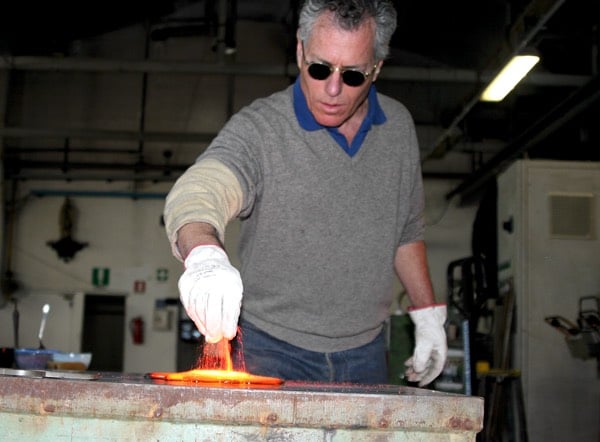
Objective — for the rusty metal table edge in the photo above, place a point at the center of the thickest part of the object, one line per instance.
(127, 397)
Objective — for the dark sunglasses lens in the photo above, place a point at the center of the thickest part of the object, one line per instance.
(319, 71)
(353, 78)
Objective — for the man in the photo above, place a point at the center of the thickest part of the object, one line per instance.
(325, 176)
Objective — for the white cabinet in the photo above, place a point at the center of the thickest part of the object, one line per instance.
(549, 243)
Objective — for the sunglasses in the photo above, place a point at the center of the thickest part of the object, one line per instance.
(350, 77)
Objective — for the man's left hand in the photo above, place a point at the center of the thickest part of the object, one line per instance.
(431, 347)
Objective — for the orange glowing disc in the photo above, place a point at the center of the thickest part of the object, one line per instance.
(215, 376)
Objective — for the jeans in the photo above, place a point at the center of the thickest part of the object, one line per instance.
(268, 356)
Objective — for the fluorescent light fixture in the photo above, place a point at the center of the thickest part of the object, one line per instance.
(509, 76)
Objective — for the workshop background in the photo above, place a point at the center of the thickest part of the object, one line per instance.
(104, 104)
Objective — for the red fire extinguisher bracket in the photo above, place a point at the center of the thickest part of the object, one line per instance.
(136, 326)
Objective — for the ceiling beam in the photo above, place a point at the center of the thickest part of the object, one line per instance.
(390, 72)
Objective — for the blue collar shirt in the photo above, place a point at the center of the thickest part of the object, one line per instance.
(307, 121)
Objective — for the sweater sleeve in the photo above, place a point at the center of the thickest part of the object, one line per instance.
(414, 228)
(207, 192)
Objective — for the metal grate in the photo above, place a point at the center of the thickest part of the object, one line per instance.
(572, 215)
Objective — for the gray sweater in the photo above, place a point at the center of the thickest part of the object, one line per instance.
(319, 228)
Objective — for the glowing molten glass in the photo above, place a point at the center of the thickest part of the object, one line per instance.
(215, 366)
(216, 376)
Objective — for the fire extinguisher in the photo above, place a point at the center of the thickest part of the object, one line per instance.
(136, 325)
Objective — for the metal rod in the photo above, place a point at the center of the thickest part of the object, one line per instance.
(148, 137)
(98, 194)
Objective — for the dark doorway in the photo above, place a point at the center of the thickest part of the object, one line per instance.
(103, 331)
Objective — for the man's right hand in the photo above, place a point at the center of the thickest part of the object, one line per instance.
(211, 291)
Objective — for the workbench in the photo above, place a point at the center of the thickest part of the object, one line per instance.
(117, 406)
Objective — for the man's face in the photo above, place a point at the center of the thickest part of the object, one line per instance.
(331, 101)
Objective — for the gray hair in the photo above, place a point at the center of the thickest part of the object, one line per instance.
(350, 15)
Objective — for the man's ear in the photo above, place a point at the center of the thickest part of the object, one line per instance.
(377, 70)
(299, 54)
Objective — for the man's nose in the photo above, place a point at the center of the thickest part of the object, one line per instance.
(334, 83)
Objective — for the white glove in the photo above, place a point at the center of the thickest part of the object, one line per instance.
(211, 289)
(431, 347)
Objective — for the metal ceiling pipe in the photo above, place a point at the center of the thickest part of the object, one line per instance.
(98, 194)
(144, 95)
(60, 165)
(5, 214)
(148, 137)
(230, 22)
(97, 65)
(108, 176)
(390, 72)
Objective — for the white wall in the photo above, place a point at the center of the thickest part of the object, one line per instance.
(124, 236)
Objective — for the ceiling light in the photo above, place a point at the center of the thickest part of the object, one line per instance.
(509, 76)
